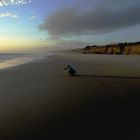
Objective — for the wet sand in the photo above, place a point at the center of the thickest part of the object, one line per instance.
(40, 101)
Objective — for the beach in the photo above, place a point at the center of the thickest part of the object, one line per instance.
(39, 100)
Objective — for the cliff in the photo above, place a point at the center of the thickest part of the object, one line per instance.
(132, 48)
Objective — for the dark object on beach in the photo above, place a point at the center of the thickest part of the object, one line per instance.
(71, 70)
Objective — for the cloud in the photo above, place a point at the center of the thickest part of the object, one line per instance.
(14, 2)
(2, 15)
(105, 16)
(33, 18)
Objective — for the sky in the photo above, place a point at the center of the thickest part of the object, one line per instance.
(31, 24)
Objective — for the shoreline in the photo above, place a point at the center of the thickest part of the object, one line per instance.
(21, 60)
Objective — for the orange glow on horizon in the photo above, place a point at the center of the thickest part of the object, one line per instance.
(17, 43)
(21, 43)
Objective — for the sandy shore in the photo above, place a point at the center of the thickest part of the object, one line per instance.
(40, 101)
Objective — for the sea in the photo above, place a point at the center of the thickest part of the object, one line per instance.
(8, 60)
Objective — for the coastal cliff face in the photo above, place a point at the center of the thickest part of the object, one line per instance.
(120, 48)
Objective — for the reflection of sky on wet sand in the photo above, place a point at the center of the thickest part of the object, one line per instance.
(18, 60)
(14, 62)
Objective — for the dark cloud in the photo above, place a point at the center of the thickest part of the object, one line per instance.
(106, 16)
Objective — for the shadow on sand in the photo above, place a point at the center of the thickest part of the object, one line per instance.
(106, 76)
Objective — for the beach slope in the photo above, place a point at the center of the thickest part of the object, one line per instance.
(39, 100)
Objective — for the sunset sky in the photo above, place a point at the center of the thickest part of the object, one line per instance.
(68, 23)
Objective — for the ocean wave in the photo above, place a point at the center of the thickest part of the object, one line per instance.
(10, 60)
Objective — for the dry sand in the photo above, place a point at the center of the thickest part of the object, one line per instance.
(40, 101)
